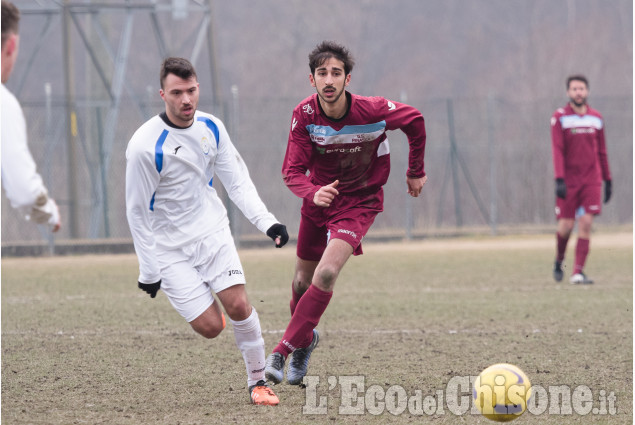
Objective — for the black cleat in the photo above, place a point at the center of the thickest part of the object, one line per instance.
(557, 271)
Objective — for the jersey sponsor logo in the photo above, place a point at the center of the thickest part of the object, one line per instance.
(347, 232)
(594, 207)
(356, 149)
(321, 150)
(294, 123)
(234, 272)
(205, 145)
(391, 106)
(582, 130)
(307, 109)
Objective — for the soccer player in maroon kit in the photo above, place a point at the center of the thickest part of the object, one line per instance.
(340, 139)
(580, 164)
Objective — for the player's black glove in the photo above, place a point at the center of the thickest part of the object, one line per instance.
(278, 231)
(150, 288)
(608, 189)
(561, 189)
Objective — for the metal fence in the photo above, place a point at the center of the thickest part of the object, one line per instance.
(488, 162)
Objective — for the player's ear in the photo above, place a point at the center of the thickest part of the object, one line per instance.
(10, 45)
(348, 80)
(312, 80)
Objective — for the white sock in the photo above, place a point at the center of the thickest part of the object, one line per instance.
(250, 343)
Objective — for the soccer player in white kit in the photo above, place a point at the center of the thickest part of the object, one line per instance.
(22, 184)
(179, 225)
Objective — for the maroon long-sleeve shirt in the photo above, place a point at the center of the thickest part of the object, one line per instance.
(579, 148)
(353, 149)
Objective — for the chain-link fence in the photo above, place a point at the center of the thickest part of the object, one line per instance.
(488, 159)
(488, 162)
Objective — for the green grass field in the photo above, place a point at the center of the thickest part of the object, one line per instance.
(81, 344)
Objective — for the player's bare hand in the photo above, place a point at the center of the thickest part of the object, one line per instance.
(415, 185)
(325, 195)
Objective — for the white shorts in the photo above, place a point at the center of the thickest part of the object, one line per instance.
(191, 273)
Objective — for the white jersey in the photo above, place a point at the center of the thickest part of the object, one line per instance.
(170, 201)
(22, 184)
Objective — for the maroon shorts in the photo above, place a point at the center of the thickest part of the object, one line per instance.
(348, 218)
(585, 199)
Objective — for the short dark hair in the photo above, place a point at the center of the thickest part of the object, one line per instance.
(330, 49)
(577, 77)
(180, 67)
(10, 20)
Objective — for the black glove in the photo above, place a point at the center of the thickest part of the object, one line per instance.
(150, 288)
(608, 189)
(561, 188)
(278, 230)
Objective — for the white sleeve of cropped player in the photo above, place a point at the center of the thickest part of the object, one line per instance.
(142, 179)
(232, 171)
(22, 184)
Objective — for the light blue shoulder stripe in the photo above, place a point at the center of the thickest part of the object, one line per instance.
(158, 159)
(575, 121)
(327, 131)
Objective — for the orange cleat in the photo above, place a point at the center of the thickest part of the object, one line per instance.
(263, 395)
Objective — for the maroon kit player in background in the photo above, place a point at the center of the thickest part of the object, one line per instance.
(340, 138)
(580, 164)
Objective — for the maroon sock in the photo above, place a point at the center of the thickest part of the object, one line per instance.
(295, 297)
(581, 252)
(306, 317)
(562, 247)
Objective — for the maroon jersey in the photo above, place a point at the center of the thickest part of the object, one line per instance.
(353, 149)
(579, 149)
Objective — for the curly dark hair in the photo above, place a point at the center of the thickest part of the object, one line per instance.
(330, 49)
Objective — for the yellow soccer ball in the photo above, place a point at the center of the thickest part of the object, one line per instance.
(501, 392)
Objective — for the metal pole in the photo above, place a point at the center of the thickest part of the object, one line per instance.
(493, 197)
(454, 165)
(216, 92)
(71, 124)
(102, 175)
(47, 176)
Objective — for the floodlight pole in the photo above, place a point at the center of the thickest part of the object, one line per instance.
(71, 124)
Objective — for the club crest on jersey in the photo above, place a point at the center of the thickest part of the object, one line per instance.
(391, 106)
(205, 145)
(307, 109)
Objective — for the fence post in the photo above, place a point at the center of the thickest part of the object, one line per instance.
(493, 176)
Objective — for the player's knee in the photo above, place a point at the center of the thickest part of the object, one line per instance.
(209, 331)
(238, 308)
(301, 284)
(325, 277)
